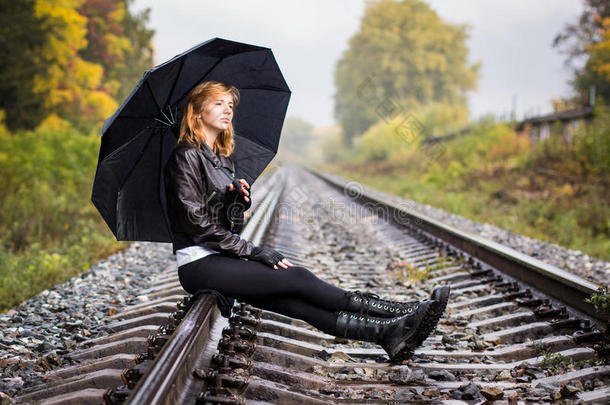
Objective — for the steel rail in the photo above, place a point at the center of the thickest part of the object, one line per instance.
(165, 381)
(557, 283)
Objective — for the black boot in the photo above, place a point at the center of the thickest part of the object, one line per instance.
(439, 297)
(371, 304)
(398, 336)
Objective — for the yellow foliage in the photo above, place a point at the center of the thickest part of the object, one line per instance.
(74, 85)
(54, 123)
(103, 104)
(600, 51)
(85, 75)
(118, 46)
(566, 190)
(70, 28)
(118, 13)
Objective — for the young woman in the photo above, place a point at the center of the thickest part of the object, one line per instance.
(206, 208)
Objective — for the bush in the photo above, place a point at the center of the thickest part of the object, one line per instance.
(49, 229)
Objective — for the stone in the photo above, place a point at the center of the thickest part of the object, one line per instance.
(323, 354)
(405, 395)
(570, 389)
(455, 394)
(340, 357)
(492, 393)
(550, 388)
(401, 377)
(470, 391)
(431, 392)
(5, 399)
(504, 375)
(442, 375)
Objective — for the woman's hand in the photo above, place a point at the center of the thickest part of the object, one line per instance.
(284, 263)
(244, 189)
(270, 257)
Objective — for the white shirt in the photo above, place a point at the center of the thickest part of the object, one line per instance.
(192, 253)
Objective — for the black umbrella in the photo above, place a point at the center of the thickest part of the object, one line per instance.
(139, 137)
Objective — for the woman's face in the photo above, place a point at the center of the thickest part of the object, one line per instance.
(217, 112)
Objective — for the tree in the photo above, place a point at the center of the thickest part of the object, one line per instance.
(587, 42)
(403, 57)
(22, 37)
(119, 41)
(72, 58)
(599, 61)
(75, 87)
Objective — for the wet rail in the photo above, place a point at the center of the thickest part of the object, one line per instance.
(508, 335)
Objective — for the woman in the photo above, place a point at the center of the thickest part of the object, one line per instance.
(206, 206)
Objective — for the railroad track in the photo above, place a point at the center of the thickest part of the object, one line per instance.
(515, 329)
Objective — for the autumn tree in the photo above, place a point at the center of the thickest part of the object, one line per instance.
(73, 58)
(119, 41)
(22, 38)
(403, 57)
(586, 44)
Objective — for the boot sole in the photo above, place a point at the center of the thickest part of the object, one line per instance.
(405, 348)
(438, 309)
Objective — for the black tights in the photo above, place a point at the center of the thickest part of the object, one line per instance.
(295, 292)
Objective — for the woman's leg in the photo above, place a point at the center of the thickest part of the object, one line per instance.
(298, 293)
(254, 281)
(320, 318)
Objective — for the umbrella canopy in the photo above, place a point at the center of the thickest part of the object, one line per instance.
(138, 139)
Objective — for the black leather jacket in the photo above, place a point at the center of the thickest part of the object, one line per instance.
(201, 209)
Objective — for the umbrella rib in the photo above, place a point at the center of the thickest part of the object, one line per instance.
(124, 145)
(171, 92)
(206, 73)
(171, 114)
(135, 164)
(152, 95)
(162, 122)
(167, 221)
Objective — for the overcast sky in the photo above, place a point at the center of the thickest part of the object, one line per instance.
(512, 39)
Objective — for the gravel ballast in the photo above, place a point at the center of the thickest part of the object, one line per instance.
(39, 333)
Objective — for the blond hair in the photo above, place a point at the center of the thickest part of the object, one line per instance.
(191, 129)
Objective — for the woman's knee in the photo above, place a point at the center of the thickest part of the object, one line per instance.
(300, 273)
(186, 281)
